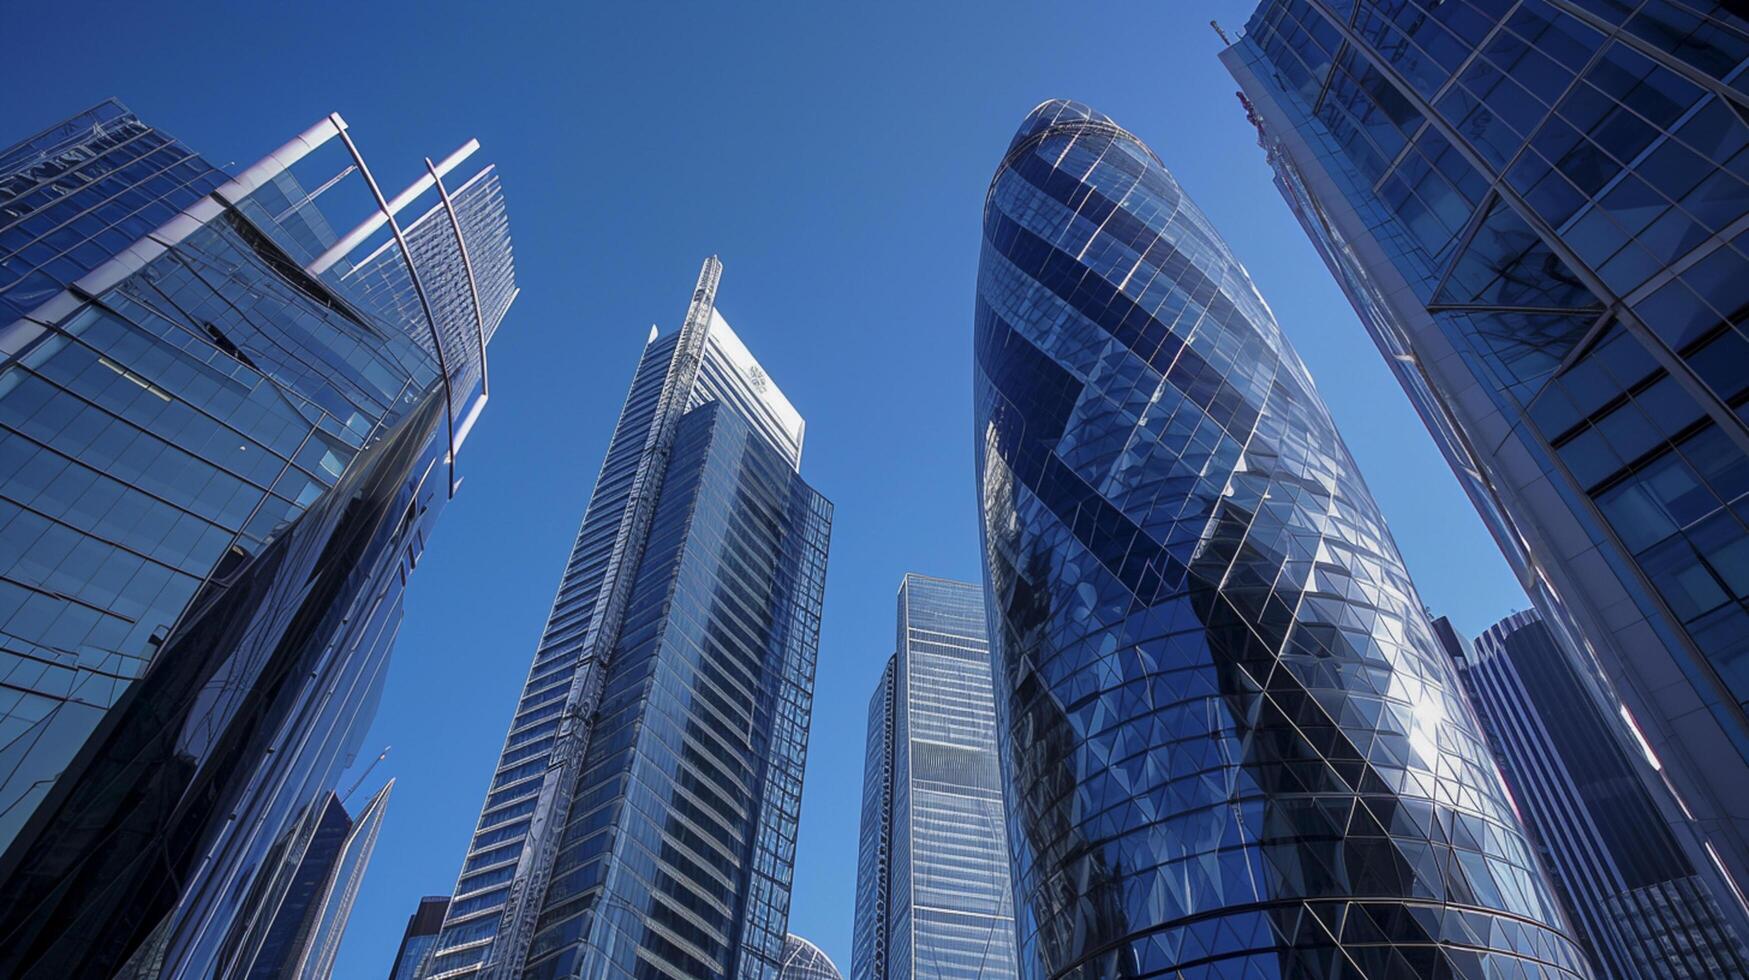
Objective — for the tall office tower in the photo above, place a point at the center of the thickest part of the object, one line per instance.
(933, 896)
(641, 820)
(874, 845)
(224, 441)
(1629, 889)
(1534, 207)
(307, 927)
(413, 958)
(802, 960)
(1232, 744)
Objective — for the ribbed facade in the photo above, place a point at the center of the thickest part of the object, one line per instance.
(874, 844)
(1629, 890)
(933, 893)
(1537, 208)
(1233, 746)
(641, 821)
(219, 462)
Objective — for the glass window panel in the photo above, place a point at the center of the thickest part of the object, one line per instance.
(1724, 546)
(1680, 577)
(1678, 490)
(1638, 519)
(1723, 635)
(1628, 431)
(1676, 314)
(1669, 407)
(1719, 462)
(1723, 363)
(1589, 458)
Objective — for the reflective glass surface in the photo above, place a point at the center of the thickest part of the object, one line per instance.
(213, 488)
(934, 897)
(658, 838)
(1539, 208)
(1233, 746)
(1631, 893)
(414, 956)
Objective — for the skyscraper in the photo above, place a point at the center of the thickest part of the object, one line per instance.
(413, 957)
(306, 930)
(1535, 208)
(1628, 887)
(933, 896)
(226, 433)
(802, 960)
(642, 817)
(1232, 744)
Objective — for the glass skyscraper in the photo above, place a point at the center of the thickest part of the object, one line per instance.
(226, 432)
(933, 897)
(307, 927)
(413, 958)
(1628, 887)
(1232, 745)
(802, 960)
(641, 821)
(1537, 208)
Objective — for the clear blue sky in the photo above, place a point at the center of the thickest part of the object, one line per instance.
(835, 155)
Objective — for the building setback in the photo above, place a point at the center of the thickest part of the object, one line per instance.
(1628, 888)
(1536, 208)
(642, 818)
(226, 433)
(933, 896)
(1232, 745)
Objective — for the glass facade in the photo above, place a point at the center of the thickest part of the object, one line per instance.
(219, 462)
(642, 818)
(874, 846)
(1537, 208)
(1232, 745)
(802, 960)
(306, 929)
(933, 895)
(1627, 885)
(413, 958)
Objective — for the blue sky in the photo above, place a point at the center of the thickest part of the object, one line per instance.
(835, 156)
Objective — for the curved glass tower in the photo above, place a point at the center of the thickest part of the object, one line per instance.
(802, 960)
(1233, 746)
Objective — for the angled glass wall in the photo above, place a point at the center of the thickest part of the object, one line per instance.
(1537, 208)
(304, 937)
(1232, 745)
(933, 892)
(641, 821)
(219, 463)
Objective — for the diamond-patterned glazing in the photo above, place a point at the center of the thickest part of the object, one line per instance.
(1233, 746)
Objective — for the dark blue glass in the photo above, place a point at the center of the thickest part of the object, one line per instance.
(1612, 138)
(1233, 745)
(1631, 893)
(214, 482)
(642, 817)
